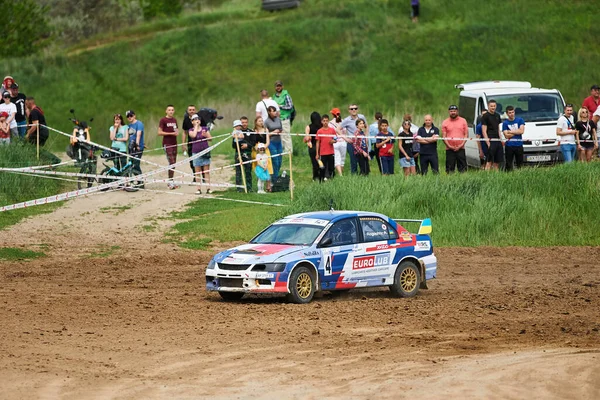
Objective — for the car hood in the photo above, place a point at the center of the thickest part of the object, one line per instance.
(253, 253)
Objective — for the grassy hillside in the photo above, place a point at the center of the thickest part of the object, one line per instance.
(328, 52)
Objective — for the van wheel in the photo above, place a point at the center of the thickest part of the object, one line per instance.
(406, 280)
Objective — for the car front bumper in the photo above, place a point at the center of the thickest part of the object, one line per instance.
(245, 281)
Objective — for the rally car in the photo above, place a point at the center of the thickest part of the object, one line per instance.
(327, 250)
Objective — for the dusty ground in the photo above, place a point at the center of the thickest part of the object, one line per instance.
(93, 321)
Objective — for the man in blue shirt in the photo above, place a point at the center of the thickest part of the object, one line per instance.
(136, 140)
(349, 124)
(513, 129)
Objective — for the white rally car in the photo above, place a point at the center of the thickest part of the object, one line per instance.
(327, 250)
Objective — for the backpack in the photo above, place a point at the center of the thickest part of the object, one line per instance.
(293, 115)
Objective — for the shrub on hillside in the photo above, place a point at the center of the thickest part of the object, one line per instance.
(25, 27)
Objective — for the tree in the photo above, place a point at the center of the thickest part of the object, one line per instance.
(25, 28)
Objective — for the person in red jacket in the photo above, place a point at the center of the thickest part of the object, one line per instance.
(593, 100)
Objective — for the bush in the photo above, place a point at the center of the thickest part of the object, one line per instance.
(25, 28)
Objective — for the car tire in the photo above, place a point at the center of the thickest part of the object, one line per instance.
(406, 280)
(302, 286)
(231, 296)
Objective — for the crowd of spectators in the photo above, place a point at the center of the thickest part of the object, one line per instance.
(21, 119)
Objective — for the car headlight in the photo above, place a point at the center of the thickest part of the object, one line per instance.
(211, 264)
(269, 267)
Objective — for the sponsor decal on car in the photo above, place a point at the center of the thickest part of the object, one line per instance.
(422, 245)
(373, 261)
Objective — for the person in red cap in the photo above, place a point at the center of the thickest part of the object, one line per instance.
(4, 128)
(341, 144)
(593, 100)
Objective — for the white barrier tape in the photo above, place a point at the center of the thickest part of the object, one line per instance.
(250, 202)
(351, 137)
(35, 167)
(125, 154)
(60, 173)
(185, 143)
(82, 192)
(245, 162)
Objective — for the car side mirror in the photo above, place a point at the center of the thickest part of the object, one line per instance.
(326, 242)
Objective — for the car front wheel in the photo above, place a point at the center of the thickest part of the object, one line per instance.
(406, 280)
(302, 286)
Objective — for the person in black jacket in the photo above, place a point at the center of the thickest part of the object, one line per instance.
(428, 136)
(311, 142)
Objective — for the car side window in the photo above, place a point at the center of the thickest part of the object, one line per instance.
(342, 233)
(376, 229)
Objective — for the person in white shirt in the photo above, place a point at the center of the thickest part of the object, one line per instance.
(263, 105)
(11, 110)
(565, 129)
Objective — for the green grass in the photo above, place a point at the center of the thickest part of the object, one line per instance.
(15, 188)
(210, 221)
(328, 52)
(12, 254)
(530, 207)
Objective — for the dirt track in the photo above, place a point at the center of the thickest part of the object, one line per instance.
(497, 323)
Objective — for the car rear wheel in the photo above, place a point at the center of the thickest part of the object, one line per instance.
(302, 286)
(231, 296)
(406, 280)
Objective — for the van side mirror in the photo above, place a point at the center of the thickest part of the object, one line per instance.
(326, 242)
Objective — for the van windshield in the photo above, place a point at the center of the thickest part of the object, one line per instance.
(531, 107)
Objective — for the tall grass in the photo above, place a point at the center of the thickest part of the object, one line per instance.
(531, 207)
(15, 188)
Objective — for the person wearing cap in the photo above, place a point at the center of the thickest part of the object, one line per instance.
(593, 100)
(286, 107)
(341, 143)
(11, 110)
(200, 138)
(264, 103)
(186, 125)
(4, 128)
(169, 130)
(349, 126)
(239, 138)
(455, 131)
(18, 99)
(136, 140)
(261, 170)
(275, 127)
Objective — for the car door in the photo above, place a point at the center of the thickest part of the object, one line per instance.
(337, 247)
(372, 266)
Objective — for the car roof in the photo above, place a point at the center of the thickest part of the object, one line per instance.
(335, 215)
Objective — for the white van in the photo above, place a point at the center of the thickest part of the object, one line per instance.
(540, 108)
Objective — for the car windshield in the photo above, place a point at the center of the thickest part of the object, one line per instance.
(531, 107)
(295, 234)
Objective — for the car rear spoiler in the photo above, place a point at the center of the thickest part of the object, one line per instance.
(424, 229)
